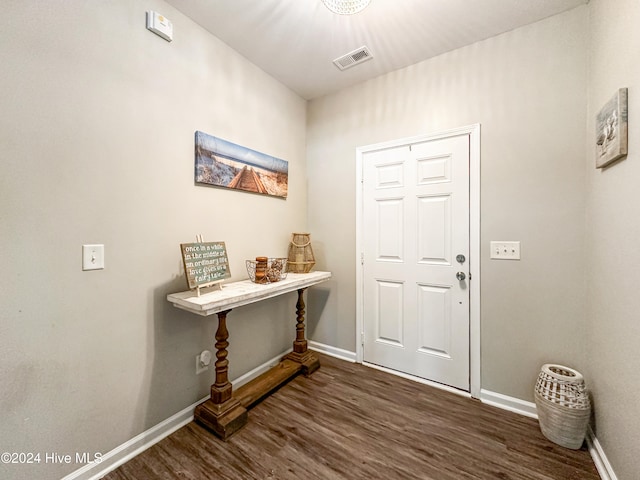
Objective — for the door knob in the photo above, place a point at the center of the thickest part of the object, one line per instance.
(460, 276)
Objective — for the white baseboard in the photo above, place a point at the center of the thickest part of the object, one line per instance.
(605, 470)
(259, 370)
(129, 449)
(512, 404)
(332, 351)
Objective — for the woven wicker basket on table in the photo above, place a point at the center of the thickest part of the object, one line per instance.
(272, 270)
(563, 405)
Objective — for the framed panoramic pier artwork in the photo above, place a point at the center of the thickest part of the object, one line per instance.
(221, 163)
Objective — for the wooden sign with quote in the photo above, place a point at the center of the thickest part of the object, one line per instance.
(205, 263)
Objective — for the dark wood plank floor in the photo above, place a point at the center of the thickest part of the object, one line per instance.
(349, 422)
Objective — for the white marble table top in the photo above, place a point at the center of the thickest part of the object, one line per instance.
(241, 293)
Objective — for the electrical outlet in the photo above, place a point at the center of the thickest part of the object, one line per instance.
(199, 367)
(505, 250)
(203, 360)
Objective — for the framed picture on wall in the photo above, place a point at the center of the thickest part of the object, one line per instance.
(221, 163)
(611, 130)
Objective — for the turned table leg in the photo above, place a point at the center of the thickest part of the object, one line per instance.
(222, 413)
(301, 354)
(222, 388)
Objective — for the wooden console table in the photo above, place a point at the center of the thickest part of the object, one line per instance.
(226, 411)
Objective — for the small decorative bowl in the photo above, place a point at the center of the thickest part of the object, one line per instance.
(274, 271)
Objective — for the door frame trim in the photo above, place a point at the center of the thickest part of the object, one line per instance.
(474, 241)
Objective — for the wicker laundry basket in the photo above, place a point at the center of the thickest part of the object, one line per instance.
(563, 405)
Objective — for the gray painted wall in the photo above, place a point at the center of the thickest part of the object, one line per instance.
(97, 142)
(89, 360)
(527, 88)
(613, 252)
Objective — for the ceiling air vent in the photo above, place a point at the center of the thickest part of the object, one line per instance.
(351, 59)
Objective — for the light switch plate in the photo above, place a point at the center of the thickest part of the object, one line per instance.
(505, 250)
(92, 257)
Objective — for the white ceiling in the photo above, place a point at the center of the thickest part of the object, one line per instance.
(296, 41)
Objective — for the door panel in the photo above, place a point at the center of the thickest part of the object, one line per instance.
(390, 175)
(434, 315)
(416, 220)
(434, 229)
(390, 229)
(390, 313)
(434, 170)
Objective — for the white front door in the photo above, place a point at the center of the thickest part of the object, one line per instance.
(415, 211)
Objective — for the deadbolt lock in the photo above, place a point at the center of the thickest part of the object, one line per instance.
(460, 258)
